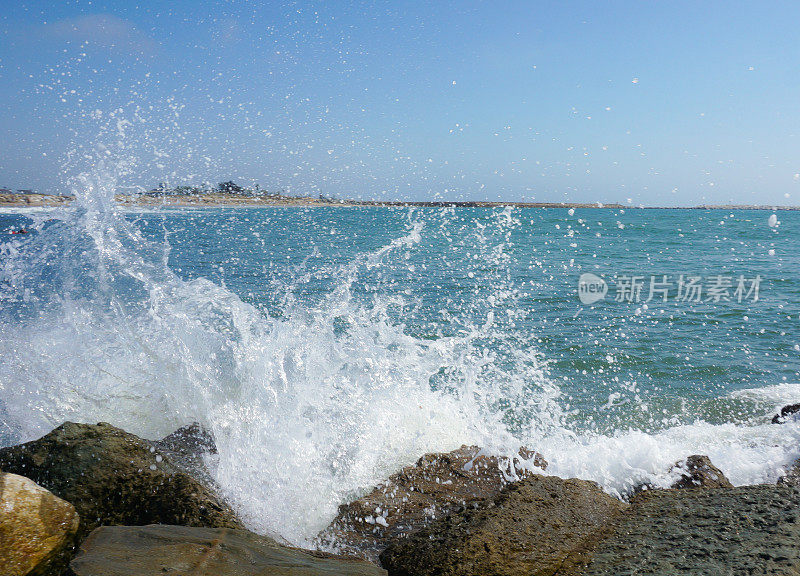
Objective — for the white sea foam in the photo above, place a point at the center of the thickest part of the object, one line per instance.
(752, 454)
(777, 394)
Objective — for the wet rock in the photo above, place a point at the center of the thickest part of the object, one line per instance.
(693, 472)
(37, 529)
(186, 449)
(191, 441)
(792, 477)
(786, 411)
(745, 530)
(540, 525)
(112, 477)
(698, 472)
(417, 495)
(156, 550)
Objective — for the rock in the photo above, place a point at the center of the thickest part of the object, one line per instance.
(37, 529)
(186, 448)
(785, 411)
(179, 550)
(190, 441)
(745, 530)
(698, 472)
(694, 472)
(112, 477)
(792, 477)
(540, 525)
(415, 496)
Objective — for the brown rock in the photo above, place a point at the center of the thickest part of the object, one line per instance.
(698, 472)
(417, 495)
(538, 526)
(695, 472)
(37, 529)
(179, 550)
(112, 477)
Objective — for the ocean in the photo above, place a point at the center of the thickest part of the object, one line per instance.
(327, 347)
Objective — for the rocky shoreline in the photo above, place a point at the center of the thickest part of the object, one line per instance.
(91, 500)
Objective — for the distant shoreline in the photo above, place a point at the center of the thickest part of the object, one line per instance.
(215, 200)
(33, 200)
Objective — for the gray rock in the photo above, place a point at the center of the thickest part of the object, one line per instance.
(37, 529)
(178, 550)
(718, 531)
(186, 448)
(792, 477)
(417, 495)
(786, 411)
(112, 477)
(540, 525)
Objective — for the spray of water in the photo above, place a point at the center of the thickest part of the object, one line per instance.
(97, 327)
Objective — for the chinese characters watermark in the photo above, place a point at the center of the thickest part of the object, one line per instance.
(664, 288)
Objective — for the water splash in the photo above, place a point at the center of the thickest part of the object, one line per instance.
(307, 409)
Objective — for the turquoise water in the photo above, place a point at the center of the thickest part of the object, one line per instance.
(673, 362)
(327, 347)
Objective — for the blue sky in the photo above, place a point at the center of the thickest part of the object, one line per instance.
(655, 103)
